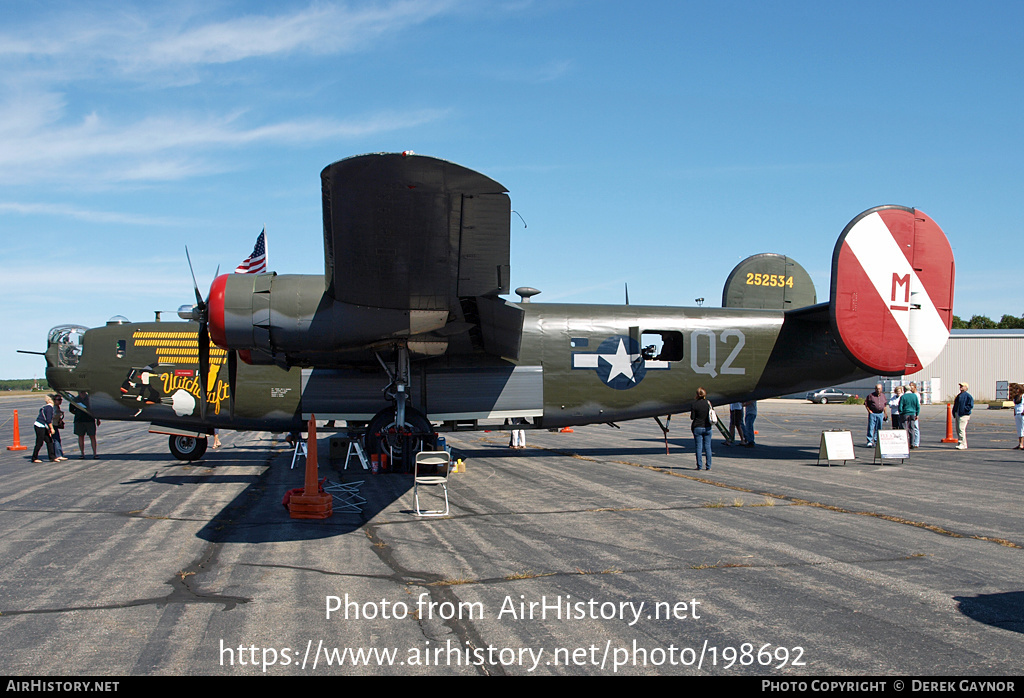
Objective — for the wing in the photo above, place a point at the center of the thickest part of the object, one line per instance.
(416, 251)
(413, 233)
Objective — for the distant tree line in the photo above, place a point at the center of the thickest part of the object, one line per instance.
(983, 322)
(23, 384)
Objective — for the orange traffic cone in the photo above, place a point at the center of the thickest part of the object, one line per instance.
(312, 502)
(950, 437)
(17, 436)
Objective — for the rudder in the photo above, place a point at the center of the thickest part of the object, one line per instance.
(892, 290)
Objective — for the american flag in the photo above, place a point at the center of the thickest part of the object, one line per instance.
(256, 263)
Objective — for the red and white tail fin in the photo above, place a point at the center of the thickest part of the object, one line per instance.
(892, 290)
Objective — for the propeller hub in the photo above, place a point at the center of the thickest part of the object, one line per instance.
(188, 312)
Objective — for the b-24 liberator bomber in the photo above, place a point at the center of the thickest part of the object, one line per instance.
(405, 332)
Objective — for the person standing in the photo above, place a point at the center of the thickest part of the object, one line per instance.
(875, 404)
(1017, 395)
(748, 423)
(736, 423)
(963, 404)
(58, 424)
(910, 410)
(700, 425)
(518, 435)
(44, 431)
(894, 407)
(85, 425)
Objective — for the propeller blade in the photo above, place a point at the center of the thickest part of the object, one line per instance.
(202, 338)
(200, 303)
(204, 366)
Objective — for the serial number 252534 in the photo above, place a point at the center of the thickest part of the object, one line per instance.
(769, 280)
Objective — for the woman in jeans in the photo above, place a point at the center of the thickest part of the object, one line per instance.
(700, 416)
(44, 431)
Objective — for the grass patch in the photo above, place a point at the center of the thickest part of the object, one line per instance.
(704, 566)
(528, 575)
(452, 582)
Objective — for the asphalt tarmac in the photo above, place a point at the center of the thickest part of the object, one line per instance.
(586, 553)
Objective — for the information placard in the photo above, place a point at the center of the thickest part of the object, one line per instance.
(892, 444)
(836, 445)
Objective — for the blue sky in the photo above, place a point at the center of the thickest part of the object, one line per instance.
(651, 143)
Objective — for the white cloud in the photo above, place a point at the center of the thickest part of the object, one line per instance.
(72, 110)
(547, 72)
(157, 148)
(146, 39)
(320, 28)
(145, 278)
(65, 211)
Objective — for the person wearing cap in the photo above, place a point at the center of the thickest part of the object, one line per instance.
(963, 403)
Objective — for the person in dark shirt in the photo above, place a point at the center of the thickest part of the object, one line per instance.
(875, 404)
(700, 416)
(58, 424)
(85, 425)
(44, 431)
(963, 403)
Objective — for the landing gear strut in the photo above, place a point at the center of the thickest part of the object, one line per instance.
(399, 431)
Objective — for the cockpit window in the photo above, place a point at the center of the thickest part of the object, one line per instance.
(68, 339)
(121, 348)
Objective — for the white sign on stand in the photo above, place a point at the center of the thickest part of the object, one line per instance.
(892, 444)
(836, 445)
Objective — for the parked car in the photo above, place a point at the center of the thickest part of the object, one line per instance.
(827, 395)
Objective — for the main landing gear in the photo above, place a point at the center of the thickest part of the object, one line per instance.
(401, 442)
(399, 431)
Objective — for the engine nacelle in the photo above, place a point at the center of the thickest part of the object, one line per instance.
(289, 319)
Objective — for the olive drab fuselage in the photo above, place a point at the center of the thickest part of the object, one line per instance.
(408, 323)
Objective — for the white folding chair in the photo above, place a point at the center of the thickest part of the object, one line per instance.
(431, 469)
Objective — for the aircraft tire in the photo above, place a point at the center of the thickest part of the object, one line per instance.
(187, 447)
(380, 433)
